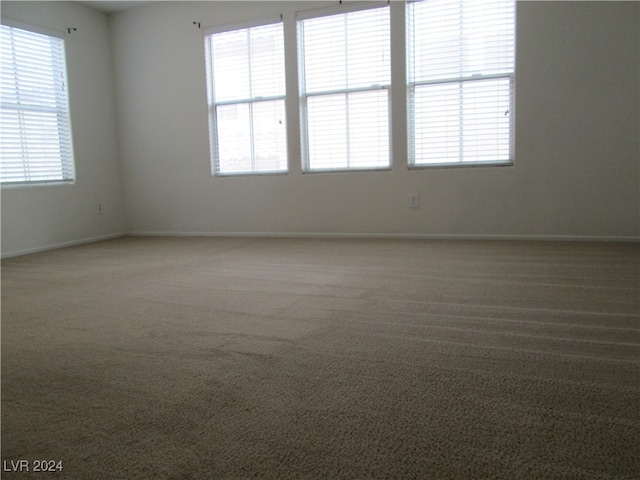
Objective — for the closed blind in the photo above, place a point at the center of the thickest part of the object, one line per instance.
(461, 80)
(247, 100)
(34, 108)
(345, 78)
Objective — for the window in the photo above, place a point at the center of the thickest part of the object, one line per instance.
(344, 90)
(246, 92)
(460, 81)
(34, 109)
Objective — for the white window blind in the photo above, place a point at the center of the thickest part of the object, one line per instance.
(34, 108)
(246, 91)
(344, 87)
(461, 81)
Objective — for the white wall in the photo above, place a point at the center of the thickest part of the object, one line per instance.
(576, 172)
(39, 217)
(576, 167)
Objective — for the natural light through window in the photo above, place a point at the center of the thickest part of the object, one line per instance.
(246, 91)
(345, 84)
(461, 81)
(36, 128)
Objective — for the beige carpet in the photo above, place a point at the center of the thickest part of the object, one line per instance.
(144, 358)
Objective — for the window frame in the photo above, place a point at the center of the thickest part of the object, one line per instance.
(64, 143)
(212, 104)
(460, 80)
(303, 96)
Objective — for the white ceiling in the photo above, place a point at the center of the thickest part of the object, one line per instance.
(112, 6)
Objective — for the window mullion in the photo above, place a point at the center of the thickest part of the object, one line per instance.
(21, 121)
(347, 126)
(17, 90)
(348, 90)
(250, 104)
(345, 28)
(59, 87)
(251, 138)
(460, 86)
(248, 100)
(460, 122)
(468, 78)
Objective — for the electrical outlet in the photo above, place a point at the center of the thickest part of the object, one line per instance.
(99, 208)
(414, 200)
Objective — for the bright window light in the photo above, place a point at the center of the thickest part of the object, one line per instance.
(344, 85)
(34, 109)
(460, 81)
(246, 92)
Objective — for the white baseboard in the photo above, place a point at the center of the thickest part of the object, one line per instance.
(399, 236)
(55, 246)
(409, 236)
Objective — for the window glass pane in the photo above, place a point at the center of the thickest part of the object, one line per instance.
(267, 61)
(452, 39)
(345, 51)
(368, 54)
(436, 135)
(462, 121)
(234, 138)
(436, 40)
(486, 121)
(327, 127)
(349, 130)
(270, 133)
(489, 28)
(231, 78)
(30, 135)
(368, 129)
(324, 54)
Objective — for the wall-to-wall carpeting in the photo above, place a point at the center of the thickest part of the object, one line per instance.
(243, 358)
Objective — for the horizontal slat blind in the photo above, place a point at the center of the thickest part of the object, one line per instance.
(247, 100)
(461, 81)
(345, 78)
(34, 109)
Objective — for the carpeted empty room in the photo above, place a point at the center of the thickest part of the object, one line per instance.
(323, 358)
(320, 239)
